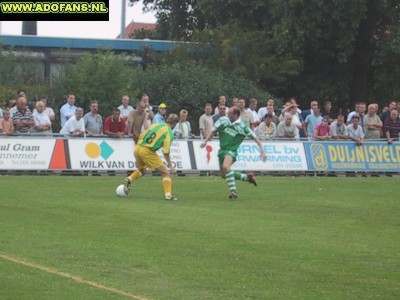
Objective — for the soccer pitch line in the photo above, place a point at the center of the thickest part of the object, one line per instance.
(75, 278)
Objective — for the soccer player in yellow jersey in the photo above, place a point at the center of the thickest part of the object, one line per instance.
(157, 136)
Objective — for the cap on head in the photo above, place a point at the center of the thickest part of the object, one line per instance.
(162, 105)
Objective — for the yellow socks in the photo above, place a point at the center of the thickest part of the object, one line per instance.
(167, 184)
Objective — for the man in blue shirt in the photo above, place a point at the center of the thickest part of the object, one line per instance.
(68, 109)
(160, 116)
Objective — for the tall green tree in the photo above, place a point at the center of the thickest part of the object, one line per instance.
(344, 50)
(103, 76)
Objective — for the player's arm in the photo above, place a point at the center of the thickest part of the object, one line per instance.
(169, 162)
(259, 144)
(209, 137)
(166, 150)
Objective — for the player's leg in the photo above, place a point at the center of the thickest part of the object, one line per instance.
(140, 154)
(249, 177)
(229, 175)
(166, 183)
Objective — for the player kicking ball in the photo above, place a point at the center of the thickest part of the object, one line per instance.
(157, 136)
(232, 131)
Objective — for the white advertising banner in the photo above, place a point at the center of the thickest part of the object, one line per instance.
(25, 154)
(179, 155)
(281, 156)
(207, 157)
(101, 154)
(110, 154)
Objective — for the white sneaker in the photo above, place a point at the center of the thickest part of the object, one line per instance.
(169, 197)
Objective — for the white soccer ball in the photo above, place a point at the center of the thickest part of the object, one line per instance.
(120, 191)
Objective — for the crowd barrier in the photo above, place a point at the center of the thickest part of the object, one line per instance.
(54, 153)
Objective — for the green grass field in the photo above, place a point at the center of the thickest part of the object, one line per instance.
(289, 238)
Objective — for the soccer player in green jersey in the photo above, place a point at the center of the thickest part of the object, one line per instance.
(157, 136)
(232, 131)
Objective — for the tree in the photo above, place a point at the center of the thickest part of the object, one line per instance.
(103, 76)
(316, 48)
(190, 86)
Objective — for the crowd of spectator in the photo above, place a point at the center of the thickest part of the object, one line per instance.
(318, 122)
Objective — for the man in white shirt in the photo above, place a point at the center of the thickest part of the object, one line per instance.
(356, 132)
(253, 110)
(205, 121)
(75, 125)
(262, 111)
(42, 119)
(125, 108)
(47, 110)
(339, 129)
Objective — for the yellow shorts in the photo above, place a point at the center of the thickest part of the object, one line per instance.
(147, 158)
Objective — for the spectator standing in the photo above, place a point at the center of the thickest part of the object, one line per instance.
(372, 123)
(245, 116)
(286, 128)
(235, 101)
(205, 121)
(6, 123)
(22, 118)
(93, 120)
(221, 112)
(148, 109)
(327, 111)
(267, 129)
(270, 110)
(12, 105)
(21, 93)
(253, 110)
(360, 112)
(47, 110)
(322, 131)
(386, 114)
(159, 117)
(339, 129)
(356, 133)
(114, 125)
(137, 121)
(182, 129)
(75, 126)
(262, 111)
(293, 110)
(221, 100)
(68, 110)
(391, 129)
(293, 101)
(125, 108)
(312, 120)
(309, 111)
(352, 113)
(42, 119)
(285, 108)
